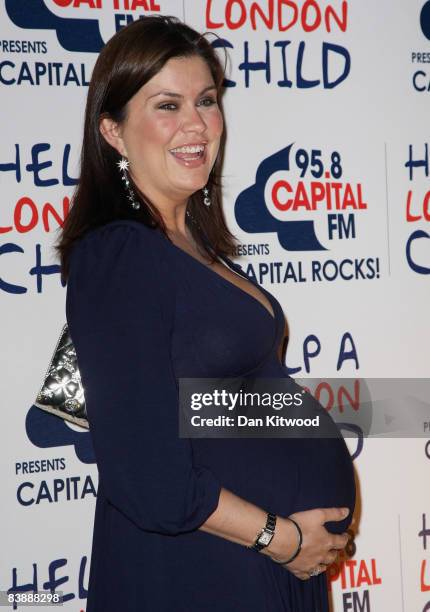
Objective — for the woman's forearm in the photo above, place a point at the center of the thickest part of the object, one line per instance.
(240, 521)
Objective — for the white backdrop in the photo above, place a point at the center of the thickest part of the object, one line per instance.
(330, 98)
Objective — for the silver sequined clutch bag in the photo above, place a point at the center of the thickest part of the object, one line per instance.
(62, 392)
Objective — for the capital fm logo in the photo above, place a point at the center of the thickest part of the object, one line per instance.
(295, 190)
(83, 25)
(259, 208)
(74, 34)
(305, 197)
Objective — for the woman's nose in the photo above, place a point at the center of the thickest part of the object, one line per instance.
(192, 119)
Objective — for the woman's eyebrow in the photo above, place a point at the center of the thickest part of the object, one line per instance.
(172, 94)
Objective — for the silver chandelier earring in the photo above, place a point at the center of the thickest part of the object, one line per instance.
(206, 199)
(123, 166)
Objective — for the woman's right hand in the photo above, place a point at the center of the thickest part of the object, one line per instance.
(319, 547)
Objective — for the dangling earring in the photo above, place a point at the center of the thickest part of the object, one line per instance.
(123, 166)
(206, 199)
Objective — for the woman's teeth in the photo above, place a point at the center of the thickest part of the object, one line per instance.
(188, 153)
(189, 149)
(191, 156)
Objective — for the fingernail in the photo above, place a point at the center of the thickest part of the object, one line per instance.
(345, 512)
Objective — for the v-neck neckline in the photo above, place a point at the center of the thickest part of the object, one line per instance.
(277, 310)
(236, 268)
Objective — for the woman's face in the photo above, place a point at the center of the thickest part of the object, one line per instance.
(176, 108)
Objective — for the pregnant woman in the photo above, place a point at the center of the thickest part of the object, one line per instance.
(182, 525)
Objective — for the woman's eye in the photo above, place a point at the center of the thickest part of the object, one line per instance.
(167, 106)
(209, 101)
(170, 106)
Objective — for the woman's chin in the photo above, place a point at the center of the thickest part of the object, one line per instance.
(190, 188)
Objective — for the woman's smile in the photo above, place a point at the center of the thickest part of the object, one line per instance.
(191, 156)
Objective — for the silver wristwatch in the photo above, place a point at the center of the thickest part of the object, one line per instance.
(266, 534)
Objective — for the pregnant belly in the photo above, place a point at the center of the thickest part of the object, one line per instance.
(283, 475)
(324, 473)
(325, 478)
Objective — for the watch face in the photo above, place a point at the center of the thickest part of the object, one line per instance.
(265, 538)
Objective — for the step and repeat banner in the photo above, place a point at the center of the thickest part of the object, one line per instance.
(326, 186)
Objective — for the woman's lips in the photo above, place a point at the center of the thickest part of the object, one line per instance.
(190, 160)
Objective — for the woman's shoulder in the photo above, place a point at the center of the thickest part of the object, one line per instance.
(119, 229)
(109, 239)
(121, 248)
(117, 269)
(119, 257)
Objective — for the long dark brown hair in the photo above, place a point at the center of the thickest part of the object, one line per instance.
(129, 60)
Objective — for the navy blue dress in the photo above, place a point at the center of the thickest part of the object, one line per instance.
(143, 313)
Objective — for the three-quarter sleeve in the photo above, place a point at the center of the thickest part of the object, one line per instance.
(120, 316)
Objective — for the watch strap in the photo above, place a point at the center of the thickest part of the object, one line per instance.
(268, 529)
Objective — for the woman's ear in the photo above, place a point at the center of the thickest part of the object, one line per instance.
(111, 132)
